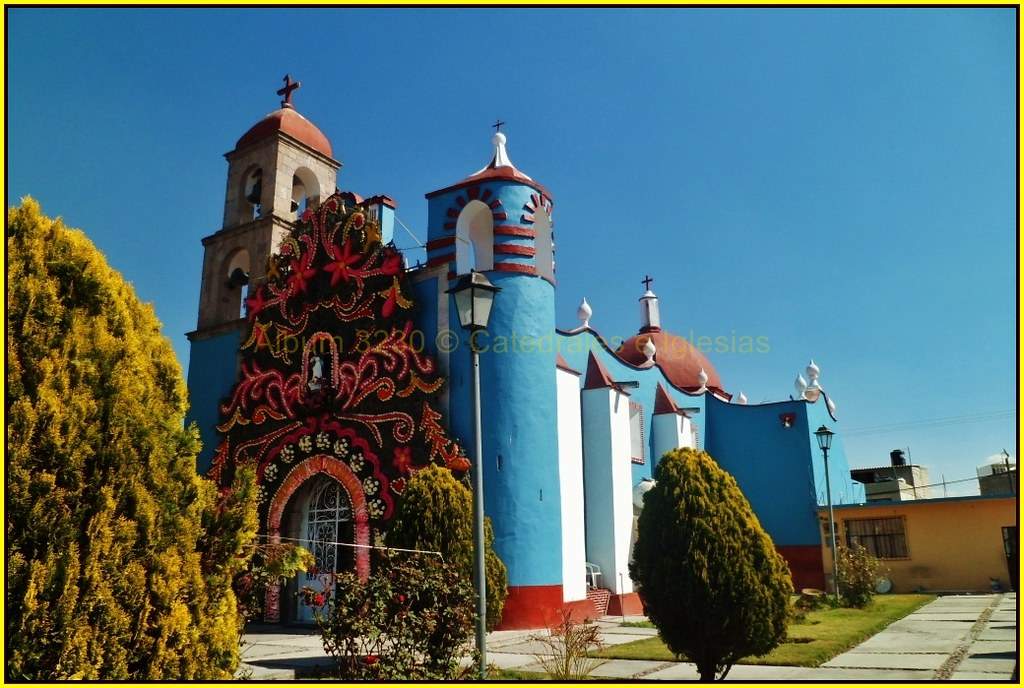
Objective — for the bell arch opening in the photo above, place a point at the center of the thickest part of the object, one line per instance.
(474, 238)
(236, 276)
(305, 191)
(251, 206)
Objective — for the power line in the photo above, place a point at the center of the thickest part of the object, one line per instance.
(409, 232)
(928, 422)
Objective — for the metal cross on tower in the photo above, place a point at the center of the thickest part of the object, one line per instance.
(286, 92)
(497, 125)
(646, 281)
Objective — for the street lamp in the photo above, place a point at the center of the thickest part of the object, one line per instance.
(824, 436)
(474, 296)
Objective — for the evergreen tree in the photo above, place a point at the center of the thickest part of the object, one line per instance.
(119, 556)
(436, 514)
(709, 575)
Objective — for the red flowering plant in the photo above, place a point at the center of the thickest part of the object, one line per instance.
(411, 620)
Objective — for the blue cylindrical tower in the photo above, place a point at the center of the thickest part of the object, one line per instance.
(498, 221)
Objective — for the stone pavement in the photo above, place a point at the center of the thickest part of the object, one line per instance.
(963, 637)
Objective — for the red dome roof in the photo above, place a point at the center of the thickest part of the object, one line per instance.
(290, 122)
(680, 360)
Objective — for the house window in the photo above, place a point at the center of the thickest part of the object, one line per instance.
(636, 432)
(885, 538)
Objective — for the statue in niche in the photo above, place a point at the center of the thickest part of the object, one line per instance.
(317, 373)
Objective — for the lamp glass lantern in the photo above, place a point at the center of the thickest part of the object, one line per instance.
(474, 296)
(824, 436)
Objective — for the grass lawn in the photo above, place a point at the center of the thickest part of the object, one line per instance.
(516, 675)
(810, 642)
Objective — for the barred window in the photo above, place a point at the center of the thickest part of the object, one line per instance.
(885, 538)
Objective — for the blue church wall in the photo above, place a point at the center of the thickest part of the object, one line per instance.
(211, 375)
(576, 347)
(772, 464)
(844, 490)
(425, 293)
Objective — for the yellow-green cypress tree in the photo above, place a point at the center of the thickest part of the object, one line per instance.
(709, 575)
(120, 556)
(436, 515)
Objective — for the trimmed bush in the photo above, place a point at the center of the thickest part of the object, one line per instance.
(859, 572)
(436, 514)
(709, 575)
(120, 557)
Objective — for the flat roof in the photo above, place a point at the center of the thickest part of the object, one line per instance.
(912, 502)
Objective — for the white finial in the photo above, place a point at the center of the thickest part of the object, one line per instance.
(584, 311)
(800, 384)
(500, 154)
(813, 372)
(649, 350)
(702, 377)
(742, 398)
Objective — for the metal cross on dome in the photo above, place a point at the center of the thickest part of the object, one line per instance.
(286, 92)
(497, 125)
(646, 281)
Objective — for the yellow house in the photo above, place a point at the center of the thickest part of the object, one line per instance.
(941, 545)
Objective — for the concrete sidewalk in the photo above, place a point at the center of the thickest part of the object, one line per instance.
(963, 637)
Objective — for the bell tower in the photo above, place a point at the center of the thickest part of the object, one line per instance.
(280, 167)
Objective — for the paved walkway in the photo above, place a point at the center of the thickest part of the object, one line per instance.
(963, 637)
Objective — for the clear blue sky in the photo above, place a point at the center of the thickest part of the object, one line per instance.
(838, 181)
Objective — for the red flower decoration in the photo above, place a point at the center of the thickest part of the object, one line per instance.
(339, 269)
(298, 281)
(255, 303)
(392, 264)
(403, 459)
(358, 220)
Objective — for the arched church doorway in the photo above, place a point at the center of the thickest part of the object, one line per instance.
(321, 507)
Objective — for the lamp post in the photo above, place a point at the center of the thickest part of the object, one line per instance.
(824, 436)
(474, 296)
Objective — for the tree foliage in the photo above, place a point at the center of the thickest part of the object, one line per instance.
(120, 557)
(709, 575)
(436, 514)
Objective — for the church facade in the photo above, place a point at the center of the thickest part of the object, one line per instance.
(573, 424)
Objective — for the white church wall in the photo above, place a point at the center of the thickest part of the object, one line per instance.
(607, 474)
(570, 476)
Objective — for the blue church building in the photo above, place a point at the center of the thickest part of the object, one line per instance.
(573, 425)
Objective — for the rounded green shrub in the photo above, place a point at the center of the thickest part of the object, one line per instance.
(120, 557)
(709, 575)
(859, 572)
(436, 514)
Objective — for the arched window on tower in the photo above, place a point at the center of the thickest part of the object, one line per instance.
(474, 238)
(544, 244)
(252, 193)
(305, 191)
(236, 274)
